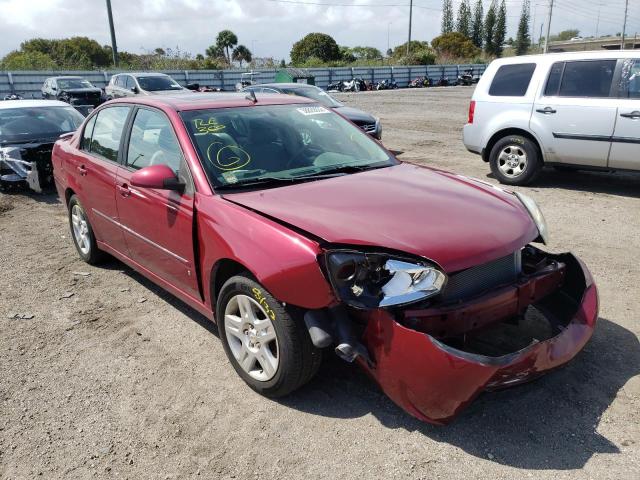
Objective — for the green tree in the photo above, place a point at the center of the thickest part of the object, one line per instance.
(215, 52)
(366, 53)
(283, 64)
(500, 29)
(447, 16)
(346, 55)
(71, 53)
(564, 35)
(30, 60)
(489, 29)
(315, 45)
(421, 54)
(454, 45)
(464, 19)
(226, 40)
(241, 54)
(523, 40)
(477, 25)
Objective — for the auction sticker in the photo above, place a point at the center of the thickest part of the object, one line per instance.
(312, 110)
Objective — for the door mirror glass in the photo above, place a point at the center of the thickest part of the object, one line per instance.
(160, 177)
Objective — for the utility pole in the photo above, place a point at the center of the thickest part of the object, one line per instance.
(598, 21)
(114, 47)
(410, 15)
(546, 39)
(624, 25)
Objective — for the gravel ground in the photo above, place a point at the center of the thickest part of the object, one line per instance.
(102, 374)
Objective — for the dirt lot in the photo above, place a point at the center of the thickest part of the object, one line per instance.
(104, 375)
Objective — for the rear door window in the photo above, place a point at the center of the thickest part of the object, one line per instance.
(512, 80)
(107, 132)
(630, 86)
(588, 78)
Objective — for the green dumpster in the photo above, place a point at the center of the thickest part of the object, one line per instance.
(295, 75)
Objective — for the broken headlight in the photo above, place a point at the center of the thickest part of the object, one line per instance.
(372, 280)
(536, 215)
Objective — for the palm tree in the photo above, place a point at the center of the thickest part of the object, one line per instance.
(226, 40)
(241, 54)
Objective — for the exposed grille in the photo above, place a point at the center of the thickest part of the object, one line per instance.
(475, 280)
(368, 127)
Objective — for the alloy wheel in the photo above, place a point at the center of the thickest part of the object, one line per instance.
(512, 161)
(80, 229)
(251, 337)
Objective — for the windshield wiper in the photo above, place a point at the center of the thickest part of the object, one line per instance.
(275, 181)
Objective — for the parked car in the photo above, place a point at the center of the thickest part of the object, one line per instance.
(569, 110)
(75, 91)
(149, 83)
(365, 121)
(295, 231)
(28, 130)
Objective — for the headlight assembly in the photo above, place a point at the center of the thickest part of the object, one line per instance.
(536, 214)
(372, 280)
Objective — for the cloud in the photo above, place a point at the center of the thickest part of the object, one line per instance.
(267, 27)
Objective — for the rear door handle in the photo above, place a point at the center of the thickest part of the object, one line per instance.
(123, 190)
(635, 115)
(546, 110)
(82, 170)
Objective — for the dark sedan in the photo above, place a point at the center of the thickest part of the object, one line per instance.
(76, 91)
(364, 120)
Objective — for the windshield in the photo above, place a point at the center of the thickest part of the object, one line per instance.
(240, 145)
(65, 83)
(31, 123)
(314, 93)
(156, 83)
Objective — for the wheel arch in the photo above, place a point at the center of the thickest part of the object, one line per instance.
(68, 193)
(223, 270)
(486, 152)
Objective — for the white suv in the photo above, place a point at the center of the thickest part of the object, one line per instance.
(568, 110)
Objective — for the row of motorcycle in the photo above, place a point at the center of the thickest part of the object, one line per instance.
(358, 84)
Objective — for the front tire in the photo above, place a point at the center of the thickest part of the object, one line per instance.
(82, 233)
(515, 160)
(268, 347)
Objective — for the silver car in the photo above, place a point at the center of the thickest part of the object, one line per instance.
(568, 110)
(132, 84)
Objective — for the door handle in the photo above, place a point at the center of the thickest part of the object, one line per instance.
(635, 115)
(123, 190)
(546, 110)
(82, 170)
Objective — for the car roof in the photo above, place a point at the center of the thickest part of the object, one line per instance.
(65, 77)
(560, 56)
(284, 85)
(201, 101)
(143, 74)
(32, 103)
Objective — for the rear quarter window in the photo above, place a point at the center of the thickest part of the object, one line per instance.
(512, 80)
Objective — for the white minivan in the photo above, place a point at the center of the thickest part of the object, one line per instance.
(568, 110)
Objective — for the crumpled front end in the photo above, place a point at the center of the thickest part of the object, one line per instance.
(14, 169)
(434, 361)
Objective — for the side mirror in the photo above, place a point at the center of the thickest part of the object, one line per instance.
(134, 89)
(160, 177)
(193, 86)
(54, 88)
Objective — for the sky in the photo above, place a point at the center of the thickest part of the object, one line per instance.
(269, 27)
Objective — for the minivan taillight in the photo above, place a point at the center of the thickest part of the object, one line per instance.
(472, 111)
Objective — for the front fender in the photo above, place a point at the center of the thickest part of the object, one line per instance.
(283, 261)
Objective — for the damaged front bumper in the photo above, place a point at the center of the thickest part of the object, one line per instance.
(13, 169)
(433, 361)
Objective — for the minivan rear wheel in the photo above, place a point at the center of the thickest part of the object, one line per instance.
(515, 160)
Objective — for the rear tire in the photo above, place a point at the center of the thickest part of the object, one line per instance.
(515, 160)
(82, 233)
(268, 347)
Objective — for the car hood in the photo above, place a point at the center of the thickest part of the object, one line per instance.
(168, 92)
(80, 90)
(452, 220)
(355, 115)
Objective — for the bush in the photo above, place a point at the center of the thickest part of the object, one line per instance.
(454, 45)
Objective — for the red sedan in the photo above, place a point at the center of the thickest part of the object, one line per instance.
(294, 231)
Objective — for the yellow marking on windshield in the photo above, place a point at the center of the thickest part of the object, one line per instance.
(210, 126)
(227, 157)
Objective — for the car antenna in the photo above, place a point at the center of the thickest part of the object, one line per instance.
(251, 96)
